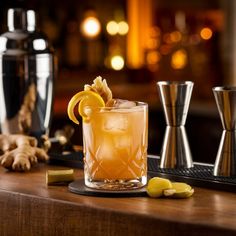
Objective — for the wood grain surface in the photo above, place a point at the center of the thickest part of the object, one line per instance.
(29, 207)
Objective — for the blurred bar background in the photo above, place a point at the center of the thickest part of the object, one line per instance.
(134, 44)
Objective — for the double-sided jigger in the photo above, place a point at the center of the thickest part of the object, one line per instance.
(225, 164)
(175, 98)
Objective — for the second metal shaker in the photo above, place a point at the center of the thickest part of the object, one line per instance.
(26, 76)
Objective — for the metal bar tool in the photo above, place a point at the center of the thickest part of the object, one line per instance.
(175, 98)
(225, 164)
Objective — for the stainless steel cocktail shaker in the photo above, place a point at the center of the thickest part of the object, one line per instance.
(27, 70)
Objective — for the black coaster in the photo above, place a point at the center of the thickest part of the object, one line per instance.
(79, 188)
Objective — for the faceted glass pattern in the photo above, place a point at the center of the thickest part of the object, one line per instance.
(115, 147)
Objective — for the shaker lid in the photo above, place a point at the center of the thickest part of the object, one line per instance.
(23, 37)
(31, 20)
(19, 19)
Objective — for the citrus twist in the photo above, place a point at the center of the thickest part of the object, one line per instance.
(83, 99)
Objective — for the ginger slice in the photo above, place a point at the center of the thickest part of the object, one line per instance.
(157, 185)
(100, 86)
(179, 190)
(161, 187)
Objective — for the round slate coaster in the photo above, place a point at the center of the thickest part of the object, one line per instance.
(79, 187)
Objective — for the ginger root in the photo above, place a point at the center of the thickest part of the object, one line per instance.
(25, 112)
(19, 152)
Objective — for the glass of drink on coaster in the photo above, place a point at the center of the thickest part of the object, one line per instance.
(115, 134)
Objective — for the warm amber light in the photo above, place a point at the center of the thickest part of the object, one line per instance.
(179, 59)
(91, 27)
(153, 43)
(112, 28)
(175, 36)
(155, 32)
(117, 62)
(165, 49)
(166, 38)
(153, 57)
(140, 20)
(123, 28)
(206, 33)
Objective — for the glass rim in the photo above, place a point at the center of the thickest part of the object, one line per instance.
(139, 105)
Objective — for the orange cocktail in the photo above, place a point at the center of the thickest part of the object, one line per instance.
(115, 134)
(115, 146)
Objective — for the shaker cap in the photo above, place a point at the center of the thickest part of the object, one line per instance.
(19, 19)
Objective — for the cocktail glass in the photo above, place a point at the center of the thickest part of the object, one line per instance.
(115, 147)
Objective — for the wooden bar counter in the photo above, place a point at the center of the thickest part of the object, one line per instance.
(29, 207)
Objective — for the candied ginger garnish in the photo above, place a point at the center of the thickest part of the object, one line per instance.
(100, 86)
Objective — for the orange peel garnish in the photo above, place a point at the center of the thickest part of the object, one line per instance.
(83, 99)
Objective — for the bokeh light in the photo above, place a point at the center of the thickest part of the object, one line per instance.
(179, 59)
(117, 62)
(91, 27)
(175, 36)
(165, 49)
(123, 28)
(206, 33)
(153, 43)
(153, 57)
(112, 28)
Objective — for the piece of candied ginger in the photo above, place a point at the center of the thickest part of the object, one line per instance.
(100, 86)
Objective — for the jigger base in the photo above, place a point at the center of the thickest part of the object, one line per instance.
(175, 151)
(225, 164)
